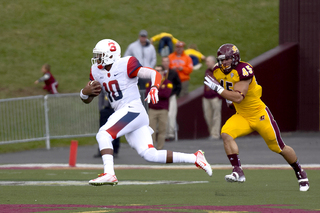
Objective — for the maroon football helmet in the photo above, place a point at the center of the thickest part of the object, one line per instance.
(227, 51)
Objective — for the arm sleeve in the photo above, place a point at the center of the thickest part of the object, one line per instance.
(174, 40)
(44, 77)
(146, 72)
(156, 38)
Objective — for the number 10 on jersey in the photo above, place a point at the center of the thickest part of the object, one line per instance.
(113, 90)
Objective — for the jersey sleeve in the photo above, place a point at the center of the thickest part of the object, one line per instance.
(245, 71)
(91, 76)
(174, 40)
(133, 67)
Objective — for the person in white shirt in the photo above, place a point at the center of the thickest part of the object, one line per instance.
(118, 77)
(145, 52)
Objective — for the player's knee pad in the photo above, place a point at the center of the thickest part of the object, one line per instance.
(104, 139)
(153, 155)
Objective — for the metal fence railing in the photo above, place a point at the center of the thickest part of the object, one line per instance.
(22, 119)
(67, 116)
(48, 117)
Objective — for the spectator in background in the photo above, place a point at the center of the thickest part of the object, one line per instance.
(211, 103)
(182, 64)
(145, 52)
(158, 113)
(106, 111)
(196, 56)
(172, 76)
(166, 42)
(51, 84)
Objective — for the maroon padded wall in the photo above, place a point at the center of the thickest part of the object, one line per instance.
(299, 22)
(190, 118)
(277, 72)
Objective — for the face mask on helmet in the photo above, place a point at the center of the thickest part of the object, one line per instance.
(225, 52)
(106, 52)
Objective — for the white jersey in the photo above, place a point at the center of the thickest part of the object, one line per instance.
(120, 83)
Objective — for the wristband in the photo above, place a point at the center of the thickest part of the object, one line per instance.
(220, 89)
(82, 96)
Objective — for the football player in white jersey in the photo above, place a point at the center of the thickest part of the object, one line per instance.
(119, 77)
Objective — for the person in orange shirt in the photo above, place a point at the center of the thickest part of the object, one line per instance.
(182, 64)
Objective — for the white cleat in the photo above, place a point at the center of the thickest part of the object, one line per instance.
(237, 175)
(104, 179)
(304, 184)
(202, 163)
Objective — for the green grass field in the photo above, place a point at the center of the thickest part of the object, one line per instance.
(64, 32)
(264, 191)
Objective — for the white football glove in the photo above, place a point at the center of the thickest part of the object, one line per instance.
(152, 95)
(213, 84)
(230, 104)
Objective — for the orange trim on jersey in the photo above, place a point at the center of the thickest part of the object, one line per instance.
(91, 76)
(133, 67)
(134, 73)
(157, 80)
(150, 146)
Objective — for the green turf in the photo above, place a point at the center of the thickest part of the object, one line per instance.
(64, 32)
(263, 187)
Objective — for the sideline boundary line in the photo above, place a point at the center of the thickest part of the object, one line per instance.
(85, 183)
(167, 166)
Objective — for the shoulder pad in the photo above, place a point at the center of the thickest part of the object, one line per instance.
(245, 70)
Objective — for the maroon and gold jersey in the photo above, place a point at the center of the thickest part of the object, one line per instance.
(252, 103)
(252, 114)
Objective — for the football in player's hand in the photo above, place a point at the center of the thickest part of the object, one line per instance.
(96, 88)
(94, 83)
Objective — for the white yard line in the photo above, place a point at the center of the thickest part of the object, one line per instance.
(167, 166)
